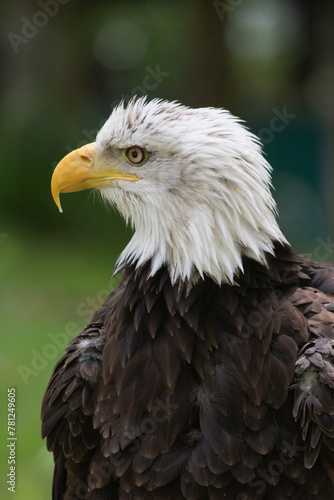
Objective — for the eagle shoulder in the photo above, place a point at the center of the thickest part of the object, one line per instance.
(67, 409)
(313, 405)
(314, 401)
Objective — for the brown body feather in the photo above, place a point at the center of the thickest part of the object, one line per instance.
(223, 392)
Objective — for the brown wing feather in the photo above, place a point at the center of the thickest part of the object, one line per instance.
(314, 404)
(186, 394)
(67, 410)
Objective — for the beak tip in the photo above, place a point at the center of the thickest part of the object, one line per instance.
(57, 202)
(59, 206)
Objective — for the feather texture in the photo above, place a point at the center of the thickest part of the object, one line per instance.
(208, 373)
(201, 414)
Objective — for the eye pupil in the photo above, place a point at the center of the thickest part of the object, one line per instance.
(136, 155)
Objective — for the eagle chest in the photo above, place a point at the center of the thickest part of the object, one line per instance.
(180, 367)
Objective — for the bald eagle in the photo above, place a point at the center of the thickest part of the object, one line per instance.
(209, 372)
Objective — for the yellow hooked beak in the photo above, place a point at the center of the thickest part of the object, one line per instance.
(79, 170)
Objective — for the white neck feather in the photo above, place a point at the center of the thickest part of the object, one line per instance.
(204, 201)
(199, 243)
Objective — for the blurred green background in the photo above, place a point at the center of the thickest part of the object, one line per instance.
(64, 65)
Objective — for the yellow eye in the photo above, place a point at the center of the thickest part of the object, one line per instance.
(136, 155)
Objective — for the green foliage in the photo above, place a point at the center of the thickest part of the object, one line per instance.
(48, 291)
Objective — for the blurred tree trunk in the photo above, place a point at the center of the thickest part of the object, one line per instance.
(208, 83)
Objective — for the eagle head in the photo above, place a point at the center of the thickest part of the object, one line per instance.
(192, 182)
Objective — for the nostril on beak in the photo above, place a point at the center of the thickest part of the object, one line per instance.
(85, 159)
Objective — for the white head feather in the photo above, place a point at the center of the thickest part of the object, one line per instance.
(203, 201)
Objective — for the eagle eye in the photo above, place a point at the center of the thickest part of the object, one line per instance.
(136, 155)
